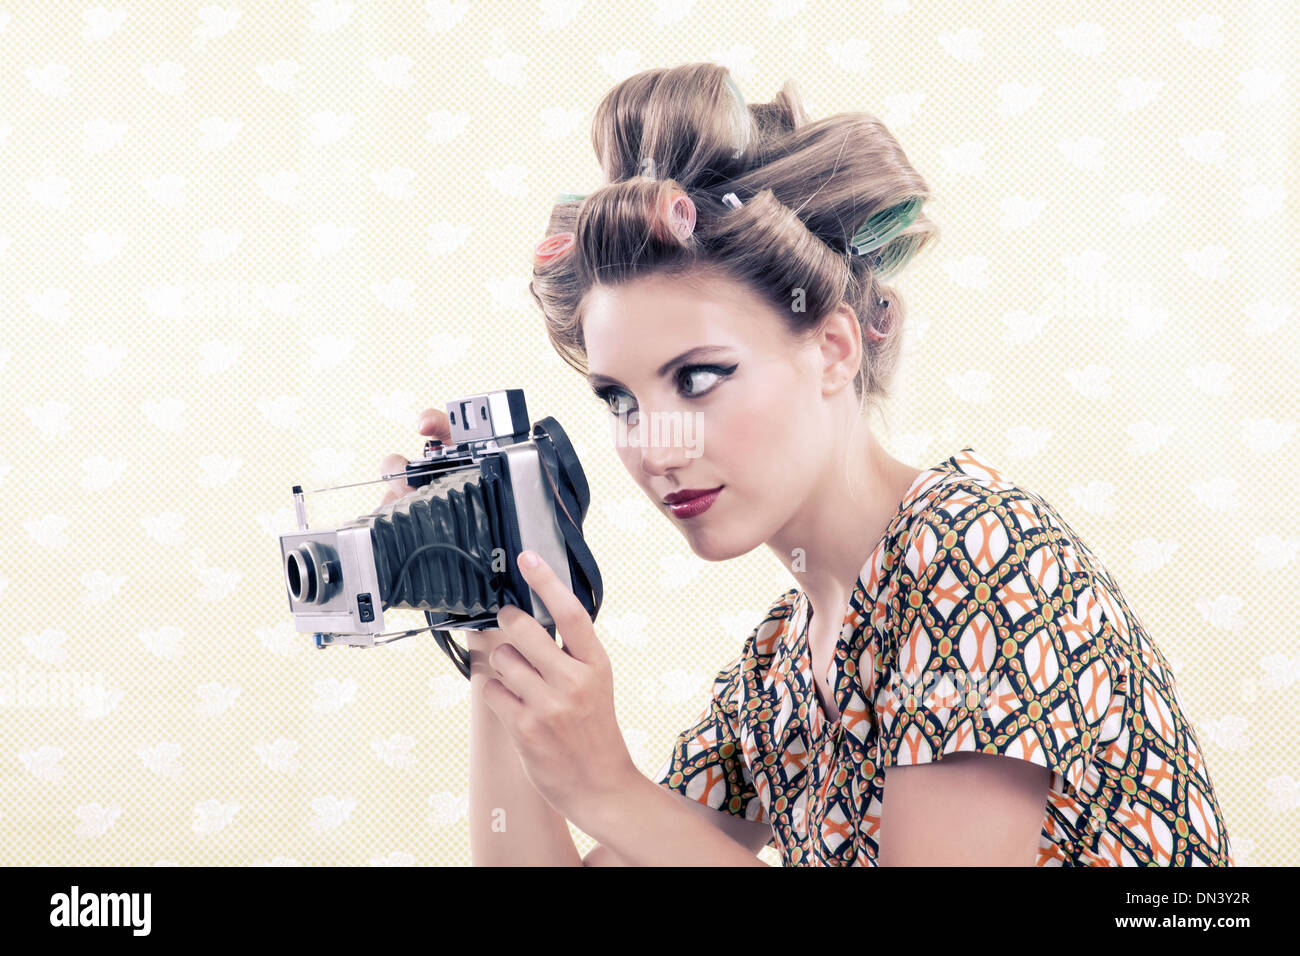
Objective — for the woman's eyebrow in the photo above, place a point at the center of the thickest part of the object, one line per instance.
(700, 351)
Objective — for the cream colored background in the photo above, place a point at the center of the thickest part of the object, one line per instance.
(242, 246)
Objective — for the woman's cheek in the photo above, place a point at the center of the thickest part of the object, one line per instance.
(630, 456)
(737, 435)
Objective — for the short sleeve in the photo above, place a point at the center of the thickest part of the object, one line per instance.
(994, 641)
(707, 763)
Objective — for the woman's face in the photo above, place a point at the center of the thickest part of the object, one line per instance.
(748, 415)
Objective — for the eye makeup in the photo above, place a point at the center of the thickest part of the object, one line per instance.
(610, 393)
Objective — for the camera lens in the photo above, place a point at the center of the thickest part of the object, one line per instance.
(293, 575)
(301, 572)
(312, 572)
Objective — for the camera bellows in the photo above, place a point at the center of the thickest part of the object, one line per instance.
(434, 548)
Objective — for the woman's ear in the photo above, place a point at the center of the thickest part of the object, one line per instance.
(841, 349)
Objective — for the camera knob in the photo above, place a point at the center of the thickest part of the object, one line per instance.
(433, 448)
(329, 572)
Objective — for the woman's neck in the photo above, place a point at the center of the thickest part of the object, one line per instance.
(827, 541)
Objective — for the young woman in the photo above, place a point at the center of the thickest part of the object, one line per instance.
(951, 642)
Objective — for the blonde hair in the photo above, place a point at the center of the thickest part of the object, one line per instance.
(806, 188)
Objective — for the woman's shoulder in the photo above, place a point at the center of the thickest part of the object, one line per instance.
(967, 486)
(963, 479)
(973, 514)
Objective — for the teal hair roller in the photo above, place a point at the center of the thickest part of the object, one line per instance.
(883, 226)
(570, 197)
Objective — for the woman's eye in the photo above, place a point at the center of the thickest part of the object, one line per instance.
(618, 402)
(622, 405)
(692, 376)
(692, 381)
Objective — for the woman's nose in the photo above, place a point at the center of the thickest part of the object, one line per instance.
(659, 461)
(661, 450)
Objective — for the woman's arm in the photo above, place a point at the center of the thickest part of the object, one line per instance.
(748, 833)
(510, 823)
(963, 809)
(644, 824)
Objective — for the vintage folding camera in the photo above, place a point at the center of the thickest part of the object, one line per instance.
(450, 547)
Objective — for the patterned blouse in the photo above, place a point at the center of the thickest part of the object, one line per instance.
(980, 622)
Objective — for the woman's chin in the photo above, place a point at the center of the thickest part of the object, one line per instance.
(713, 547)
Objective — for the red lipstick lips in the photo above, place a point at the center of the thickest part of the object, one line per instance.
(691, 501)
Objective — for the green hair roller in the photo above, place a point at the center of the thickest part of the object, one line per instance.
(883, 226)
(570, 197)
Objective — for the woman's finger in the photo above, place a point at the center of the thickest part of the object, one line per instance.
(570, 617)
(518, 676)
(434, 423)
(536, 645)
(504, 704)
(395, 464)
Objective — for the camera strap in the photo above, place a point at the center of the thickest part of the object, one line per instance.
(572, 496)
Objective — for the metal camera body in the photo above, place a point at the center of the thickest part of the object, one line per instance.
(479, 501)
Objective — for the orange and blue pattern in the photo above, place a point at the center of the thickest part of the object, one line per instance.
(980, 623)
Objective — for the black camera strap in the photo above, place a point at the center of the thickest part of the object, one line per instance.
(572, 496)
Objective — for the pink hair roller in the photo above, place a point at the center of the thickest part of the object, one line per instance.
(552, 247)
(680, 216)
(875, 334)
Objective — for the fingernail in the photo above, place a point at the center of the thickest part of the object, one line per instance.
(527, 559)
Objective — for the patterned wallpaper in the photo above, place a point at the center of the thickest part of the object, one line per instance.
(242, 245)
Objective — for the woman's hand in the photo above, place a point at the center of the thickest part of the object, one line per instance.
(432, 423)
(557, 704)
